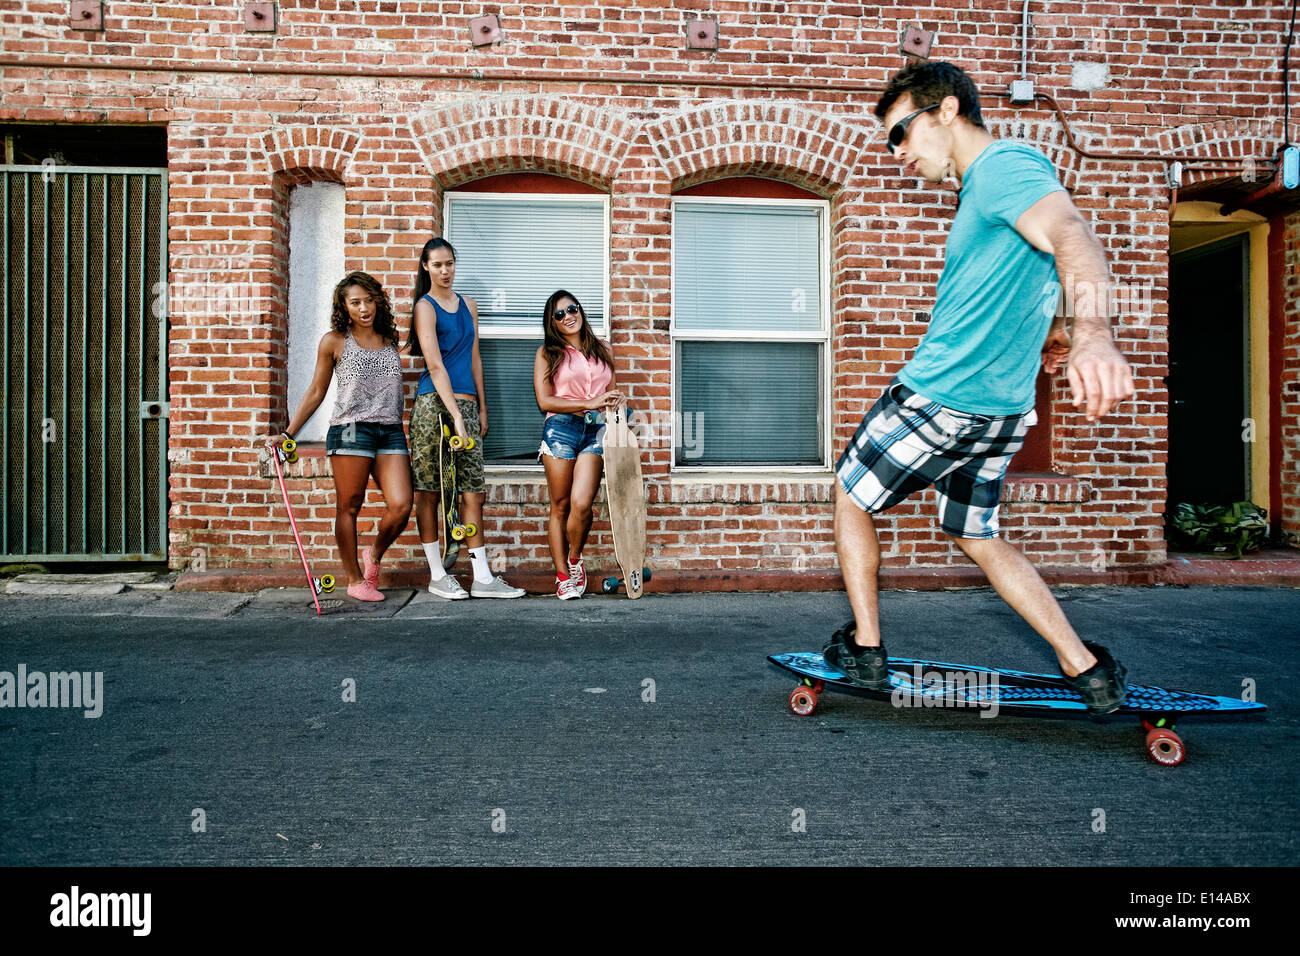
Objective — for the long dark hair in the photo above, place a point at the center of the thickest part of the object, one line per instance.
(341, 321)
(554, 343)
(422, 286)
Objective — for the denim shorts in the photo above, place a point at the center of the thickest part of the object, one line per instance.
(568, 436)
(365, 439)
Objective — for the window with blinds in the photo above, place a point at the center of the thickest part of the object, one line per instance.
(512, 251)
(750, 332)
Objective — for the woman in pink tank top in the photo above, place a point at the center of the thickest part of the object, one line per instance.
(573, 376)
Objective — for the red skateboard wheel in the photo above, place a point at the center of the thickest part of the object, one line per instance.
(1165, 747)
(803, 701)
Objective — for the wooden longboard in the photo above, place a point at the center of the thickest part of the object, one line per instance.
(626, 496)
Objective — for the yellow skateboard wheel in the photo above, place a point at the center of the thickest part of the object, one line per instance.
(456, 443)
(289, 446)
(458, 532)
(470, 530)
(470, 443)
(327, 583)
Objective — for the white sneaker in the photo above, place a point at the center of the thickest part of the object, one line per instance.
(496, 588)
(448, 588)
(567, 589)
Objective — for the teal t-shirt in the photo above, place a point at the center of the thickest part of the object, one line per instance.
(997, 294)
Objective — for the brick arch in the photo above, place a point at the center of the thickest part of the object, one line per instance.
(479, 137)
(749, 138)
(1229, 139)
(1047, 135)
(305, 153)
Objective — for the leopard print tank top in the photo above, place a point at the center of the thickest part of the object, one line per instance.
(369, 385)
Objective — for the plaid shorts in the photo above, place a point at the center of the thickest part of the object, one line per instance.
(427, 417)
(907, 443)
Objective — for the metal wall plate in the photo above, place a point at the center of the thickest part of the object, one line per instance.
(485, 30)
(87, 15)
(916, 42)
(702, 35)
(260, 17)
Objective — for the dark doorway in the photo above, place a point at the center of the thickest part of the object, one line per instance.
(69, 144)
(1209, 462)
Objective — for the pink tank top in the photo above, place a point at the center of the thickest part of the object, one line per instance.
(579, 379)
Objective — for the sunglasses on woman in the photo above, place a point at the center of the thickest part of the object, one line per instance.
(898, 132)
(571, 310)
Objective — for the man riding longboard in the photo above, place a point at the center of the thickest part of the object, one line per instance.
(959, 410)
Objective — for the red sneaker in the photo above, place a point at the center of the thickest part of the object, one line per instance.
(578, 576)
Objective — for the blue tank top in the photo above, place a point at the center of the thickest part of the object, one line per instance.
(456, 343)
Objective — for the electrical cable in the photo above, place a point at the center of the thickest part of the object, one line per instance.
(1286, 77)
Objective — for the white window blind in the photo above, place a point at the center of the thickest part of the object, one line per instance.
(747, 267)
(750, 333)
(750, 403)
(512, 252)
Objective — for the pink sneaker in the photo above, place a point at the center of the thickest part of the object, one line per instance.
(364, 591)
(370, 569)
(578, 576)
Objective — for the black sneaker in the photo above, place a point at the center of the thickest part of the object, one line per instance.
(864, 666)
(1102, 686)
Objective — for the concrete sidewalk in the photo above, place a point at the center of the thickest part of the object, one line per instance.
(1267, 568)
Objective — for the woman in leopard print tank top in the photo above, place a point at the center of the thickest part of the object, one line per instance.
(365, 435)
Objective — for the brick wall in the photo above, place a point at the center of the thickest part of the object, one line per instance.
(389, 99)
(1289, 508)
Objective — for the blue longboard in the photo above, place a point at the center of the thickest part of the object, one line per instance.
(932, 684)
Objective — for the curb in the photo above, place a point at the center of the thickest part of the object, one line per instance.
(1178, 571)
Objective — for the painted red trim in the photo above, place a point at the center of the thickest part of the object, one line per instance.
(748, 187)
(1035, 454)
(1276, 336)
(527, 183)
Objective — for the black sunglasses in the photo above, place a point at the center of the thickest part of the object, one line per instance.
(559, 313)
(898, 132)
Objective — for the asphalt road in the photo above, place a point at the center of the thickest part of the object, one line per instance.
(522, 732)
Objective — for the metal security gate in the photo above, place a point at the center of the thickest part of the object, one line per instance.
(84, 442)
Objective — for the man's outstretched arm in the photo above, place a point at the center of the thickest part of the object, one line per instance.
(1099, 375)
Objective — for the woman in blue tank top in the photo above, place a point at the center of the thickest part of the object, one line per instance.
(444, 330)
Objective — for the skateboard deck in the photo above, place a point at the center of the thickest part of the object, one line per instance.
(933, 684)
(287, 452)
(450, 529)
(626, 496)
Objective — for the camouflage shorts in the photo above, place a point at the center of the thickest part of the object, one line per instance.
(426, 432)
